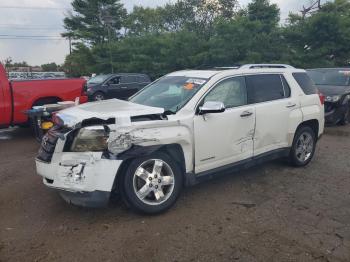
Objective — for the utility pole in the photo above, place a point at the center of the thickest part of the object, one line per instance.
(107, 20)
(70, 45)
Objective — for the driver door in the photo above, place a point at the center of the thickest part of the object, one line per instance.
(225, 138)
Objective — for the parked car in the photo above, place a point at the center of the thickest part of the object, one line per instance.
(16, 97)
(334, 83)
(186, 127)
(120, 86)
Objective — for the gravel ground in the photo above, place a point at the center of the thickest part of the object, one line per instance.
(269, 213)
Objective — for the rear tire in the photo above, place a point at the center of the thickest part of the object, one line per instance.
(303, 148)
(152, 184)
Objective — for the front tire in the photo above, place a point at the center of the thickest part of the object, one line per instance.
(304, 146)
(152, 184)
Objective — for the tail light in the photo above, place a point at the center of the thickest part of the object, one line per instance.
(322, 97)
(84, 90)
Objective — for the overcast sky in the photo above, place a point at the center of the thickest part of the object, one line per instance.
(17, 19)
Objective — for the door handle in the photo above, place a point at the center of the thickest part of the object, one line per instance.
(291, 105)
(246, 114)
(123, 87)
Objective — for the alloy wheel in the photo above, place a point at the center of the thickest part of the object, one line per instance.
(153, 182)
(99, 97)
(304, 147)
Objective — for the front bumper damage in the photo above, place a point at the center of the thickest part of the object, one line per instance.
(84, 179)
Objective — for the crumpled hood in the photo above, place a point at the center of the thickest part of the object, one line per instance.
(105, 110)
(333, 90)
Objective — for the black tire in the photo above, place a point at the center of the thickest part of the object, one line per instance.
(295, 156)
(127, 186)
(346, 118)
(98, 96)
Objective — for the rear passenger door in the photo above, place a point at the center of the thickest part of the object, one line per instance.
(277, 111)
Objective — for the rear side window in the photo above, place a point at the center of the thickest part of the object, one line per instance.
(305, 83)
(262, 88)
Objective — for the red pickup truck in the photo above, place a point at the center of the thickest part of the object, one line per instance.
(16, 97)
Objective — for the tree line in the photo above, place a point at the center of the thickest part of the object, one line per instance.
(202, 34)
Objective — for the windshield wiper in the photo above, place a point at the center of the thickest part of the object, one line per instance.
(169, 112)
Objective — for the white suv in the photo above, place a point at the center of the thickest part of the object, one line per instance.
(183, 128)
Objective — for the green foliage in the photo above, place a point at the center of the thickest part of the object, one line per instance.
(202, 33)
(50, 67)
(80, 62)
(321, 39)
(92, 20)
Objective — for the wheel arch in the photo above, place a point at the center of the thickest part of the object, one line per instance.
(46, 100)
(174, 151)
(313, 124)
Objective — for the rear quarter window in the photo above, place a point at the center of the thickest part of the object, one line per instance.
(306, 84)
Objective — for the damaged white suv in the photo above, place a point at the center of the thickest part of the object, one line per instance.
(183, 128)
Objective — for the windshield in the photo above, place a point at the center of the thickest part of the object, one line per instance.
(170, 92)
(98, 79)
(331, 77)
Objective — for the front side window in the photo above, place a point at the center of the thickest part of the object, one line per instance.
(170, 92)
(98, 79)
(114, 81)
(231, 92)
(262, 88)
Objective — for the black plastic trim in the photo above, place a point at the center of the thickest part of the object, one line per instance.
(95, 199)
(193, 179)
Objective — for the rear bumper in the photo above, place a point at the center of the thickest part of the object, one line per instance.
(334, 113)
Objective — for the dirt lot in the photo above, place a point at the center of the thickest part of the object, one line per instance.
(269, 213)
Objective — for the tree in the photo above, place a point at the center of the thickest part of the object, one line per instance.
(145, 21)
(50, 67)
(95, 21)
(79, 62)
(322, 38)
(264, 12)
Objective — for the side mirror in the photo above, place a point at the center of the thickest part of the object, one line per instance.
(212, 107)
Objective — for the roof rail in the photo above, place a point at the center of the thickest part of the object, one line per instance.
(226, 67)
(256, 66)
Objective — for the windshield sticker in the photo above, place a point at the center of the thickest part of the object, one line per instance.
(346, 73)
(188, 86)
(196, 81)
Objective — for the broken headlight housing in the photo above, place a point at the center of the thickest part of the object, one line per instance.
(119, 142)
(90, 139)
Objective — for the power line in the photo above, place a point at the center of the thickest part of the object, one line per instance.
(29, 25)
(39, 39)
(34, 8)
(32, 36)
(32, 29)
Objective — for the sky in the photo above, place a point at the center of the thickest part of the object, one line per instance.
(29, 20)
